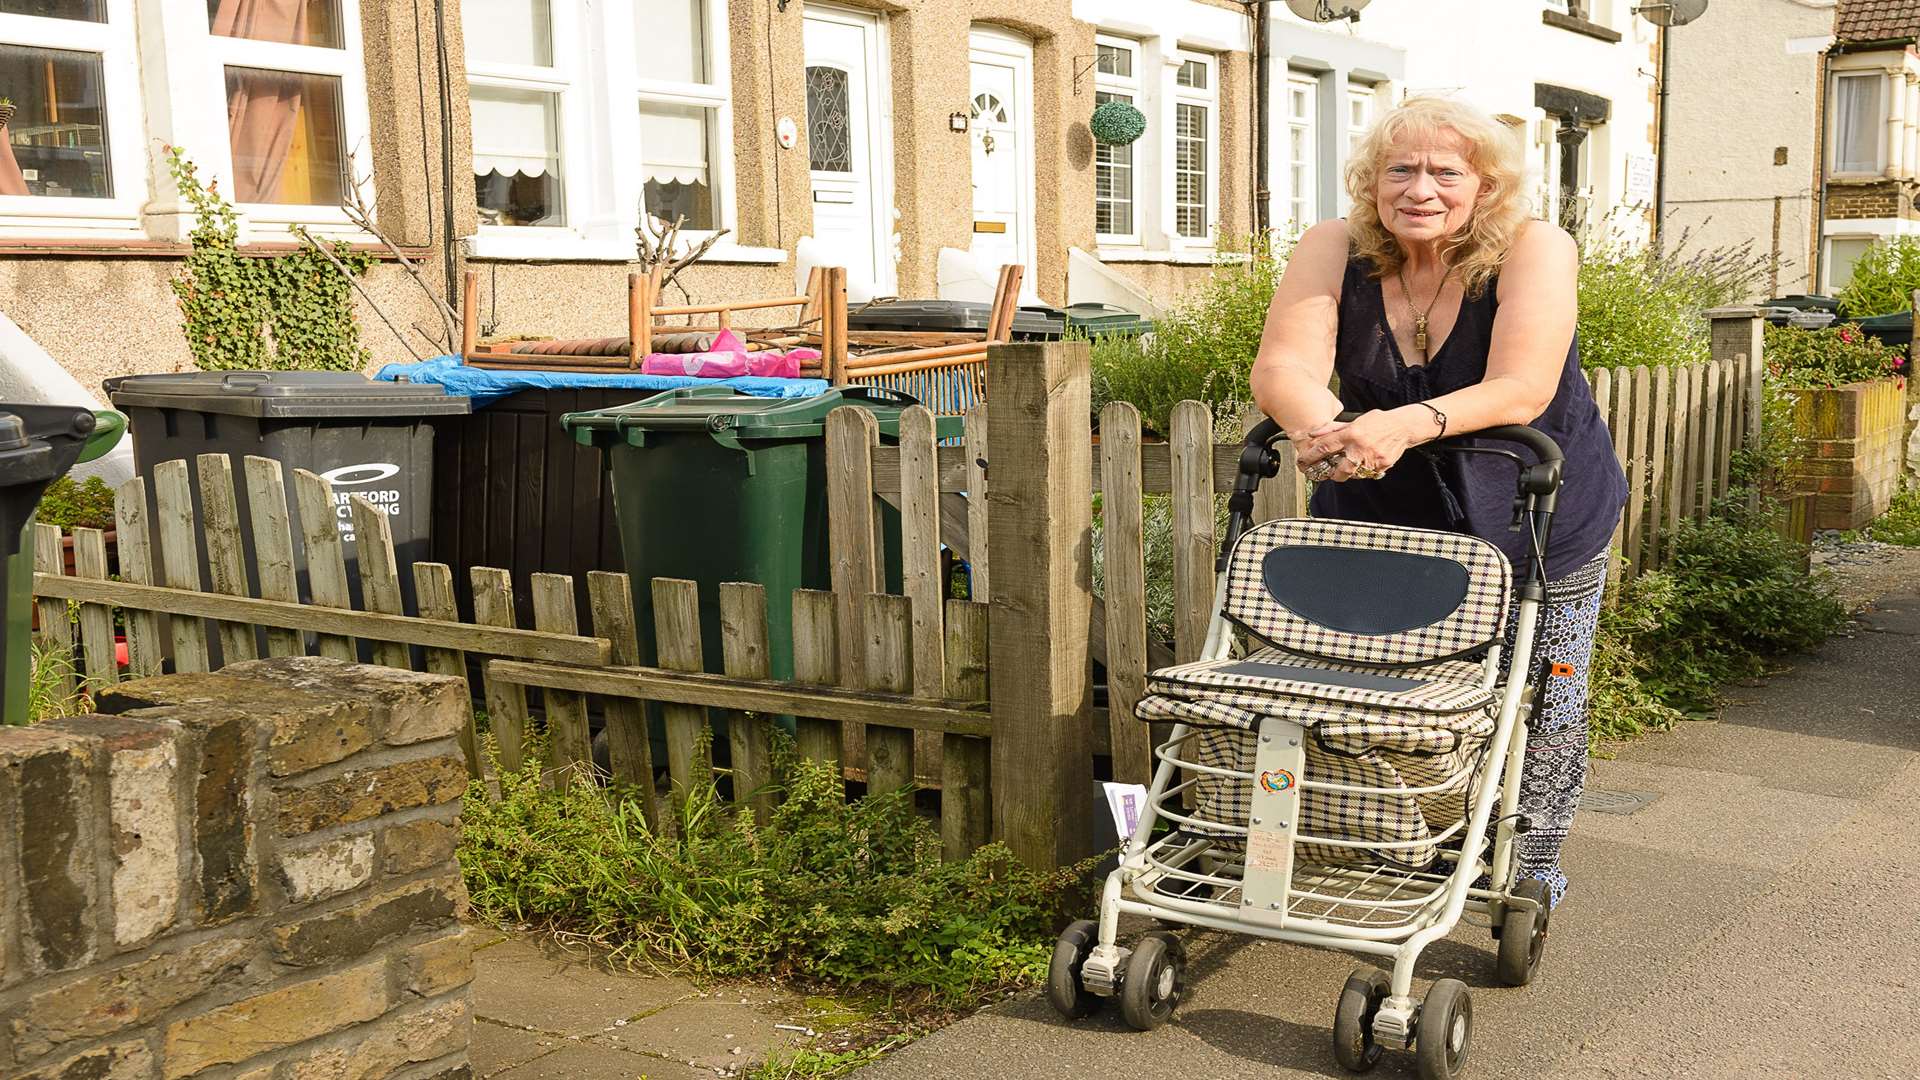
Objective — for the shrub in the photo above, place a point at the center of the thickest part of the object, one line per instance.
(1620, 704)
(1202, 349)
(1884, 278)
(851, 892)
(1901, 523)
(1644, 305)
(284, 312)
(1831, 356)
(67, 505)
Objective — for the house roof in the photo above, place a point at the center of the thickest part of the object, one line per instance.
(1876, 20)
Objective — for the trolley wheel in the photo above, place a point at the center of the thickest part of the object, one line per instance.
(1156, 977)
(1353, 1044)
(1523, 934)
(1444, 1032)
(1069, 995)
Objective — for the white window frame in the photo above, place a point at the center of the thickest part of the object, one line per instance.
(1302, 207)
(116, 217)
(1827, 284)
(715, 94)
(1208, 98)
(346, 63)
(1362, 102)
(571, 130)
(1131, 86)
(1879, 125)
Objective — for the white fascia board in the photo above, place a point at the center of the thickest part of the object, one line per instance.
(1199, 26)
(1843, 228)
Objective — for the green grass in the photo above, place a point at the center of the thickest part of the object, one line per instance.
(47, 698)
(1901, 523)
(812, 1063)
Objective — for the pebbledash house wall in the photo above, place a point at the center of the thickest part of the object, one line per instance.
(246, 875)
(104, 309)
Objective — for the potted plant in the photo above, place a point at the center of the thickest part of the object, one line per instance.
(1849, 396)
(68, 505)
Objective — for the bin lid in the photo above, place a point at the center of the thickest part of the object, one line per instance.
(1898, 320)
(731, 417)
(284, 395)
(38, 444)
(1099, 318)
(952, 317)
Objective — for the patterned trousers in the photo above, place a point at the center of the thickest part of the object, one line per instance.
(1555, 769)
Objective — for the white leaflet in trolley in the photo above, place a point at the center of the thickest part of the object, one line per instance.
(361, 479)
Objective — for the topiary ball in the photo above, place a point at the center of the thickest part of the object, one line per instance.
(1117, 122)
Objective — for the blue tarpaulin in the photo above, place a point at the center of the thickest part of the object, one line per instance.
(487, 385)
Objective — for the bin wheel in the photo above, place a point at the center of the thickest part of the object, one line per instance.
(1069, 995)
(1444, 1032)
(1353, 1044)
(1156, 977)
(1523, 934)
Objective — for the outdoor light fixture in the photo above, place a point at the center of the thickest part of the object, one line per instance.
(957, 121)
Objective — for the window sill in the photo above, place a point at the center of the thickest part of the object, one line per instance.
(1167, 258)
(102, 247)
(1580, 26)
(567, 246)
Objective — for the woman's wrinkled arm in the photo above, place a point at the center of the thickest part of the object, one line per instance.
(1295, 363)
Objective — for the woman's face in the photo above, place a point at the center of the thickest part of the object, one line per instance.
(1427, 190)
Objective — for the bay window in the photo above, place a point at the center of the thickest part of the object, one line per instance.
(1196, 146)
(516, 93)
(682, 107)
(1859, 122)
(70, 130)
(1116, 78)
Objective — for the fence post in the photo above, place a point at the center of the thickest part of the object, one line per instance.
(1735, 333)
(1040, 542)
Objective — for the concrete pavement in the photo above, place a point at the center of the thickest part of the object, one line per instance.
(1756, 917)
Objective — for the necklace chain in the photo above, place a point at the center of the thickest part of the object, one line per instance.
(1420, 317)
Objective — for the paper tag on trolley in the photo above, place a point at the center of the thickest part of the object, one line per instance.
(1125, 801)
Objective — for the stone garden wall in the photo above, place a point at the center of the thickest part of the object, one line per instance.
(1853, 451)
(246, 875)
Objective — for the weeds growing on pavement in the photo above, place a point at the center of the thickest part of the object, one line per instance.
(48, 697)
(847, 893)
(1899, 525)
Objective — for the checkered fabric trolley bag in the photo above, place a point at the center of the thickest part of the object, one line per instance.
(1343, 767)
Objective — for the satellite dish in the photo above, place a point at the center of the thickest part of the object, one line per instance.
(1326, 10)
(1672, 12)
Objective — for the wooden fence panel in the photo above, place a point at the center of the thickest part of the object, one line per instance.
(226, 553)
(506, 702)
(676, 635)
(1124, 556)
(966, 799)
(273, 550)
(889, 669)
(180, 559)
(1641, 418)
(433, 592)
(743, 648)
(379, 575)
(327, 570)
(816, 662)
(922, 582)
(629, 744)
(1659, 428)
(1712, 454)
(99, 659)
(570, 744)
(976, 450)
(1680, 469)
(1193, 537)
(145, 650)
(56, 631)
(852, 528)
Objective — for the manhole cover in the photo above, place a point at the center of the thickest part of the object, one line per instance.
(1615, 802)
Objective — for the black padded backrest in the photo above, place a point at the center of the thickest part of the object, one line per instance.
(1364, 590)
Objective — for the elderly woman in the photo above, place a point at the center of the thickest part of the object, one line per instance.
(1443, 309)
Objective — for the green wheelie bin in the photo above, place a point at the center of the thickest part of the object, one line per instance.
(38, 445)
(716, 486)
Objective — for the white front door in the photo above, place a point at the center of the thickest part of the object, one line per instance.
(848, 144)
(1001, 122)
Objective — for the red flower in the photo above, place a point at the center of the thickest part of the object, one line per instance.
(1846, 336)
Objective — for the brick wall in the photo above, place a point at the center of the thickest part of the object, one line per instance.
(246, 875)
(1877, 199)
(1854, 451)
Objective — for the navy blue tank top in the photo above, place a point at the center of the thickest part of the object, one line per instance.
(1470, 493)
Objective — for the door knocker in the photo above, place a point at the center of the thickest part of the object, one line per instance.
(986, 142)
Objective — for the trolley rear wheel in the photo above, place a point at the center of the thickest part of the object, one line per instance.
(1156, 978)
(1069, 995)
(1523, 934)
(1445, 1031)
(1353, 1044)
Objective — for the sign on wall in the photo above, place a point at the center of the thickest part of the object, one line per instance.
(1640, 171)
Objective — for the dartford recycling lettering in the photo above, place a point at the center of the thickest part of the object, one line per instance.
(350, 480)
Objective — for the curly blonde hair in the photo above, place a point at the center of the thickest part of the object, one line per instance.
(1494, 152)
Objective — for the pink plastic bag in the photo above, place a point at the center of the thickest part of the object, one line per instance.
(777, 365)
(706, 365)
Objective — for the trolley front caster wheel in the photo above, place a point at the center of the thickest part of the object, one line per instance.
(1069, 995)
(1353, 1044)
(1523, 934)
(1444, 1032)
(1156, 978)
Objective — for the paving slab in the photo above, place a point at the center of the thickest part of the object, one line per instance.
(584, 1062)
(712, 1034)
(540, 987)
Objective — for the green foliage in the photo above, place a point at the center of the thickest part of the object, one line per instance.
(281, 313)
(1901, 523)
(1735, 595)
(1832, 356)
(849, 892)
(1643, 305)
(809, 1063)
(68, 505)
(1202, 350)
(1156, 521)
(1117, 122)
(1884, 278)
(1620, 704)
(52, 671)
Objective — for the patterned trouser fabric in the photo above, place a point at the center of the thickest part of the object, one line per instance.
(1555, 770)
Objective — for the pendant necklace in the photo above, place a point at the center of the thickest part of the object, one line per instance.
(1420, 317)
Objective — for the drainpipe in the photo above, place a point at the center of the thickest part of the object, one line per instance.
(1262, 117)
(449, 261)
(1820, 176)
(1660, 145)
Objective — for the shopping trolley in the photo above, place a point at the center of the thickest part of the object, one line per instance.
(1344, 766)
